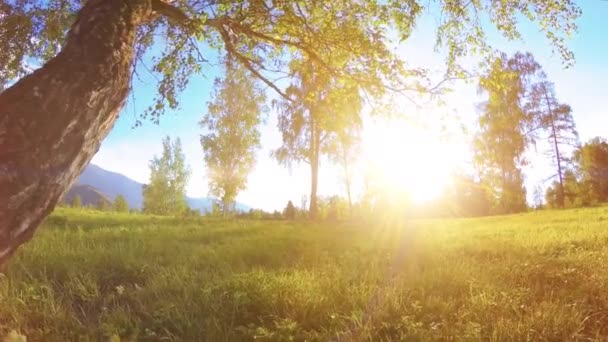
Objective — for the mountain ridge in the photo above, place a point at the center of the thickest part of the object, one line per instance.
(89, 195)
(111, 184)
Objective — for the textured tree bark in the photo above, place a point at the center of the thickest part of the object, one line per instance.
(53, 121)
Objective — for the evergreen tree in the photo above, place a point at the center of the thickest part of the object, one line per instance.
(556, 119)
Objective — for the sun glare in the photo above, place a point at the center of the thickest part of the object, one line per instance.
(411, 160)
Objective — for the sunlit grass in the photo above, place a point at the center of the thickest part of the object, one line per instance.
(92, 275)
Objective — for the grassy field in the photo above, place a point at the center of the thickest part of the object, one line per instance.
(104, 276)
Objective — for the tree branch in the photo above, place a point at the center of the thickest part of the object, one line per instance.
(228, 27)
(221, 24)
(247, 63)
(170, 12)
(250, 32)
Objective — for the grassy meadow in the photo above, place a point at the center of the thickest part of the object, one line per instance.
(104, 276)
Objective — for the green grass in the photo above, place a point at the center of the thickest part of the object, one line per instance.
(95, 276)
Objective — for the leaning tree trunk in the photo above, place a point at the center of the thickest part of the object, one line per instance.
(53, 121)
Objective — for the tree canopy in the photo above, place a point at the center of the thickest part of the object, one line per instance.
(120, 204)
(166, 191)
(585, 183)
(232, 136)
(265, 35)
(504, 123)
(592, 163)
(320, 107)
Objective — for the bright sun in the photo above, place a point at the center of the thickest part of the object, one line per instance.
(410, 159)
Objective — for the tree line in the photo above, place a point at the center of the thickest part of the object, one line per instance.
(521, 109)
(586, 183)
(322, 120)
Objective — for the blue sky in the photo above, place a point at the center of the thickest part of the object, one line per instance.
(270, 186)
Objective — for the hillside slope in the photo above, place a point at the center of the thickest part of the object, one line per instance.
(89, 196)
(112, 184)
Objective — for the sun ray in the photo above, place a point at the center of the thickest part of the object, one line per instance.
(411, 160)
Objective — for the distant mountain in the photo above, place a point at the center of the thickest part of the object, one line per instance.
(112, 184)
(89, 196)
(206, 203)
(203, 204)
